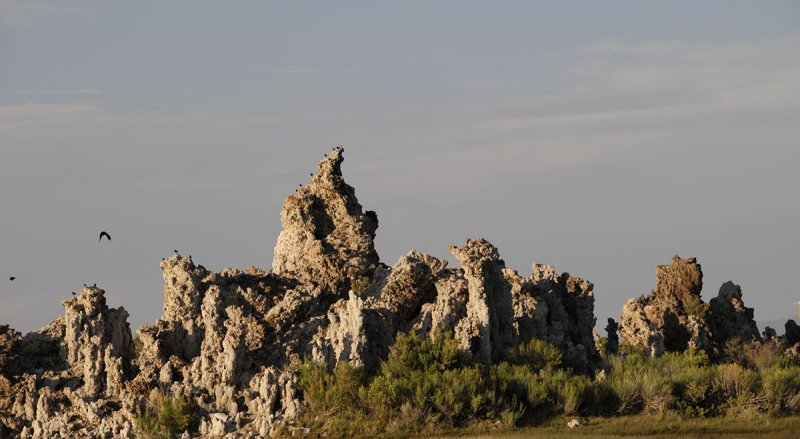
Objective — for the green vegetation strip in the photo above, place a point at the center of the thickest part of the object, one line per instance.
(430, 386)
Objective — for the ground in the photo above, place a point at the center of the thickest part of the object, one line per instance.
(667, 426)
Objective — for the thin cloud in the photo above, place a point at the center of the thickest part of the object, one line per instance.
(660, 82)
(311, 69)
(31, 114)
(64, 91)
(688, 65)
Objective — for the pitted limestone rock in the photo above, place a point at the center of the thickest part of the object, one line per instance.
(490, 312)
(71, 374)
(326, 239)
(675, 315)
(227, 341)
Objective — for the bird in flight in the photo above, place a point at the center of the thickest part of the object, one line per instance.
(11, 278)
(102, 234)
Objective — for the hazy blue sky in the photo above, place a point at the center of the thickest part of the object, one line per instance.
(602, 137)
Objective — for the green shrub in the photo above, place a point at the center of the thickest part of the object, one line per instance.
(328, 393)
(694, 308)
(431, 376)
(600, 343)
(740, 389)
(137, 344)
(624, 381)
(518, 392)
(414, 353)
(430, 383)
(782, 389)
(754, 354)
(535, 353)
(604, 401)
(172, 417)
(656, 393)
(566, 393)
(434, 379)
(361, 284)
(146, 423)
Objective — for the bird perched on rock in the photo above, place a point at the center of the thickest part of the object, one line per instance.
(102, 234)
(11, 278)
(73, 293)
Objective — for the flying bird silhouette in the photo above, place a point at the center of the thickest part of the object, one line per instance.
(11, 278)
(102, 234)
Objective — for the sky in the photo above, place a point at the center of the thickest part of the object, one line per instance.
(600, 137)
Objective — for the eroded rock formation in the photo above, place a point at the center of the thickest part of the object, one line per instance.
(730, 319)
(673, 317)
(327, 239)
(68, 378)
(612, 338)
(227, 341)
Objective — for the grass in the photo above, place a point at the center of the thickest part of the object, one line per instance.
(647, 426)
(428, 386)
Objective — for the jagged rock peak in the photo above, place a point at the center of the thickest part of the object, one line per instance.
(71, 373)
(612, 341)
(673, 315)
(331, 165)
(327, 239)
(98, 341)
(730, 318)
(490, 311)
(476, 254)
(681, 280)
(87, 315)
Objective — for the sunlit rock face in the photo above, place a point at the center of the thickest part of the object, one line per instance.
(327, 239)
(227, 341)
(674, 317)
(69, 378)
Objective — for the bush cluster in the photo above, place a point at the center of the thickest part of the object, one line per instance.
(165, 418)
(431, 384)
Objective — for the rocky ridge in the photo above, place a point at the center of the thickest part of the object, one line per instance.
(227, 341)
